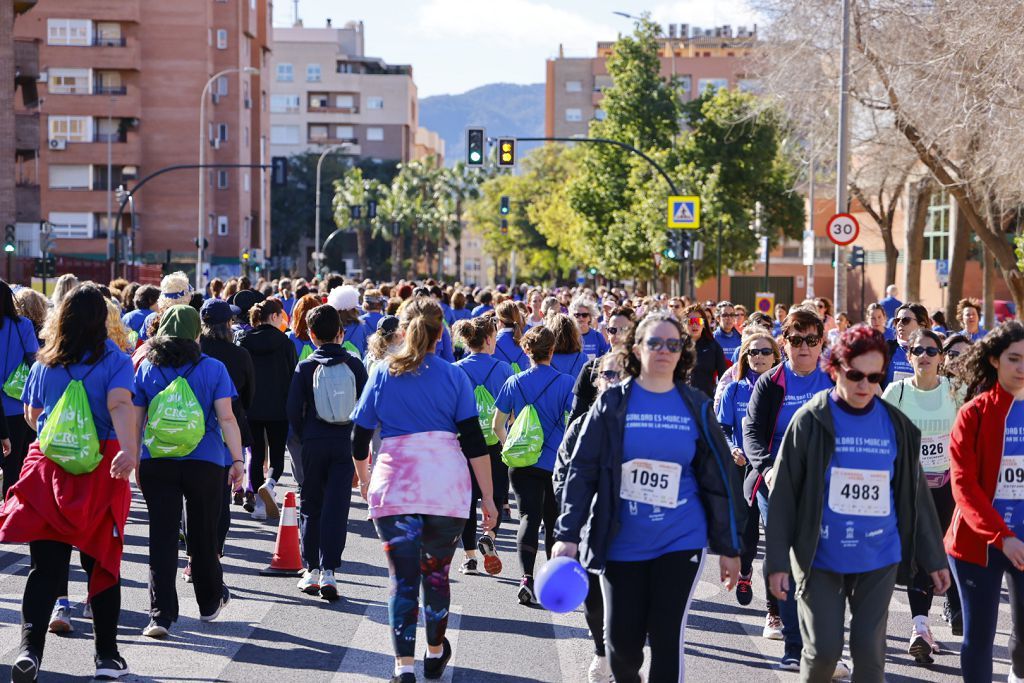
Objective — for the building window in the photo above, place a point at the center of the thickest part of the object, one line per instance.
(245, 181)
(936, 227)
(108, 34)
(374, 102)
(685, 83)
(345, 101)
(222, 132)
(67, 225)
(346, 68)
(751, 85)
(222, 39)
(285, 73)
(374, 134)
(70, 128)
(717, 83)
(69, 82)
(573, 115)
(70, 177)
(318, 132)
(222, 86)
(68, 32)
(222, 180)
(284, 104)
(222, 225)
(313, 73)
(573, 86)
(284, 135)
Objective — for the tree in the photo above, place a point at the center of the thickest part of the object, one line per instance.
(350, 192)
(462, 183)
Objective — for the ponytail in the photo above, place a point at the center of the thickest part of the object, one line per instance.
(512, 318)
(474, 332)
(422, 321)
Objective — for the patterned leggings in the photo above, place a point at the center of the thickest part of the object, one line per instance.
(419, 549)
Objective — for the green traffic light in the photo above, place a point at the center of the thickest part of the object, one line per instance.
(9, 248)
(474, 155)
(669, 253)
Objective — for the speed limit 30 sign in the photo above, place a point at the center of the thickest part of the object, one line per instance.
(843, 229)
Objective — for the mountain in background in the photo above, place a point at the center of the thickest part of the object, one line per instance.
(501, 108)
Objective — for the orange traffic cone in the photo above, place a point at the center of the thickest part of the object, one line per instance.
(287, 558)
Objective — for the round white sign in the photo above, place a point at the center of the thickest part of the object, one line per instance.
(843, 229)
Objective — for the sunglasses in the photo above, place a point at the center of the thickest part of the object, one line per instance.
(905, 320)
(760, 352)
(857, 375)
(920, 351)
(610, 375)
(953, 354)
(797, 341)
(578, 316)
(727, 315)
(697, 320)
(657, 344)
(612, 330)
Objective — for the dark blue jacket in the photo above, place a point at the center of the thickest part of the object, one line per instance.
(301, 406)
(590, 494)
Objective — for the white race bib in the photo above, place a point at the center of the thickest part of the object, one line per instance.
(859, 492)
(935, 453)
(898, 376)
(1011, 478)
(654, 482)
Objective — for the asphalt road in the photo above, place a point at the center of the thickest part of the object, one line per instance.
(272, 632)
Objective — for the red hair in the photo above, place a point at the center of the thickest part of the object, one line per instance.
(856, 341)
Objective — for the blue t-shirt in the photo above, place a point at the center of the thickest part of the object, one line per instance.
(799, 390)
(135, 320)
(461, 314)
(980, 334)
(444, 348)
(594, 344)
(370, 321)
(446, 310)
(431, 399)
(550, 393)
(507, 350)
(485, 369)
(18, 337)
(1011, 471)
(288, 305)
(776, 329)
(569, 363)
(889, 334)
(730, 342)
(481, 309)
(46, 385)
(660, 427)
(355, 334)
(733, 408)
(899, 366)
(299, 344)
(150, 316)
(209, 381)
(890, 304)
(861, 535)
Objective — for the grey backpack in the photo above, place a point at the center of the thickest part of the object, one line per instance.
(334, 393)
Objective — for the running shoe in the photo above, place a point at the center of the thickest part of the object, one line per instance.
(26, 667)
(922, 645)
(186, 573)
(225, 598)
(790, 662)
(772, 627)
(259, 510)
(157, 629)
(310, 582)
(744, 590)
(956, 622)
(60, 618)
(249, 504)
(433, 667)
(111, 668)
(842, 671)
(404, 678)
(87, 610)
(238, 498)
(492, 563)
(526, 594)
(600, 671)
(1013, 678)
(266, 494)
(328, 585)
(469, 566)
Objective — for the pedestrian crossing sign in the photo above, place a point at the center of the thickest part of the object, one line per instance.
(684, 212)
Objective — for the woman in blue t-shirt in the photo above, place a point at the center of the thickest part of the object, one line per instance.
(510, 334)
(18, 345)
(199, 476)
(420, 492)
(550, 393)
(484, 370)
(652, 482)
(568, 358)
(584, 312)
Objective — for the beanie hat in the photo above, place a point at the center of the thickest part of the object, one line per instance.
(180, 320)
(344, 298)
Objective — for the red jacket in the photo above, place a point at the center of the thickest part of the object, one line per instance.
(976, 449)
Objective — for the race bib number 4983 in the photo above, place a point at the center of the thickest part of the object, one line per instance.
(653, 482)
(859, 492)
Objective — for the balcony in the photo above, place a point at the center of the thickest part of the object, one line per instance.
(26, 132)
(110, 90)
(106, 41)
(116, 138)
(118, 102)
(80, 201)
(26, 60)
(127, 152)
(121, 54)
(26, 199)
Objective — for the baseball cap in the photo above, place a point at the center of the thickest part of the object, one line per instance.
(217, 311)
(387, 325)
(246, 299)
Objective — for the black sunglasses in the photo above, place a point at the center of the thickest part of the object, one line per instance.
(581, 315)
(953, 354)
(921, 350)
(612, 330)
(797, 341)
(760, 352)
(857, 375)
(906, 320)
(657, 344)
(611, 375)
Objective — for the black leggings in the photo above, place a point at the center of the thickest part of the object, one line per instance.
(593, 612)
(751, 534)
(224, 525)
(645, 602)
(535, 496)
(497, 478)
(272, 434)
(920, 594)
(47, 581)
(21, 436)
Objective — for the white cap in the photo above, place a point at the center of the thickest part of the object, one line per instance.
(344, 298)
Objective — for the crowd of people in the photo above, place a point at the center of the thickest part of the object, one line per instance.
(640, 432)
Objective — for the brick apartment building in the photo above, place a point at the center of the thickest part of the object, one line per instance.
(120, 83)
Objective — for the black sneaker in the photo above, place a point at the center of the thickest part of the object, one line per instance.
(526, 594)
(956, 622)
(225, 598)
(433, 667)
(404, 678)
(236, 499)
(744, 590)
(111, 668)
(26, 668)
(249, 504)
(469, 566)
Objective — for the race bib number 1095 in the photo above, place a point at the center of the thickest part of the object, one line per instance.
(651, 481)
(1011, 478)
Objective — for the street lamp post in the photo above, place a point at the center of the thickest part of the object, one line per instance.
(202, 160)
(317, 254)
(839, 292)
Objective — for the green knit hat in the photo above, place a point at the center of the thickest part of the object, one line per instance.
(179, 321)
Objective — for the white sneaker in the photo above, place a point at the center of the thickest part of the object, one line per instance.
(269, 498)
(310, 582)
(259, 510)
(843, 671)
(772, 627)
(60, 618)
(600, 671)
(1012, 678)
(328, 585)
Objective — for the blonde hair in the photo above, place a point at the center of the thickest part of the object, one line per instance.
(65, 283)
(511, 317)
(176, 285)
(422, 322)
(117, 332)
(32, 305)
(743, 364)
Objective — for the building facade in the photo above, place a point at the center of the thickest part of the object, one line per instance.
(697, 58)
(121, 90)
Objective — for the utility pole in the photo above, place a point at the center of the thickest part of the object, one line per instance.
(761, 232)
(810, 200)
(842, 157)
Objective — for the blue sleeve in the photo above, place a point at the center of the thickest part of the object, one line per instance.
(28, 337)
(119, 367)
(32, 394)
(444, 347)
(365, 412)
(465, 401)
(141, 397)
(603, 346)
(726, 413)
(505, 401)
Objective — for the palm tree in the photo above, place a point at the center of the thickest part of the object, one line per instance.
(463, 185)
(351, 191)
(394, 209)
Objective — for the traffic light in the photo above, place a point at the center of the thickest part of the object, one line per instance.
(506, 152)
(857, 257)
(592, 270)
(476, 142)
(206, 243)
(504, 226)
(279, 172)
(10, 240)
(371, 209)
(670, 253)
(504, 207)
(245, 256)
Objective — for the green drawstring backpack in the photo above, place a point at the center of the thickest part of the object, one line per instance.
(15, 382)
(176, 422)
(526, 437)
(69, 436)
(307, 351)
(485, 408)
(351, 348)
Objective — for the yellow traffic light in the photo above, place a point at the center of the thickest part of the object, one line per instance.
(506, 152)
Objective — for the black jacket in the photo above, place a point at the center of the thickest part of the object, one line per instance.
(301, 405)
(240, 368)
(759, 426)
(564, 457)
(585, 390)
(709, 367)
(590, 495)
(273, 356)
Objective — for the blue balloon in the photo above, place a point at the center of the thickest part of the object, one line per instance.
(562, 584)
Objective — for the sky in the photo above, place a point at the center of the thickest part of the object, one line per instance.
(457, 45)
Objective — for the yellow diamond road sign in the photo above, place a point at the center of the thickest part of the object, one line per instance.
(684, 212)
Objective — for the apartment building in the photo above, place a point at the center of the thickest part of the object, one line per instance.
(121, 86)
(698, 58)
(326, 91)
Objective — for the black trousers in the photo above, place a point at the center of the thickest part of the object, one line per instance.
(593, 612)
(47, 581)
(751, 534)
(21, 436)
(164, 483)
(325, 502)
(224, 522)
(469, 532)
(644, 602)
(535, 497)
(920, 594)
(267, 435)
